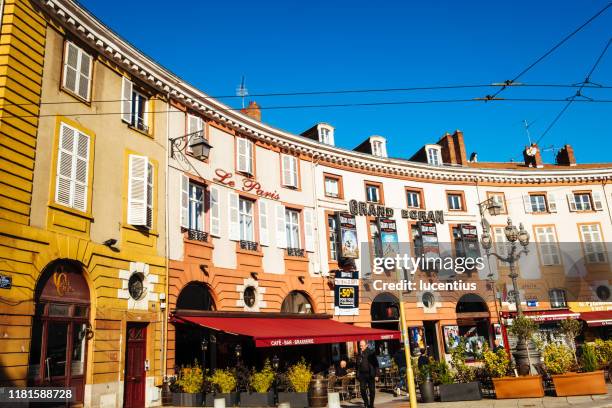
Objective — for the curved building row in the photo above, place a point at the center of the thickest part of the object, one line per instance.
(139, 217)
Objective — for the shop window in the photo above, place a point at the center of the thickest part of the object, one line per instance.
(592, 242)
(557, 298)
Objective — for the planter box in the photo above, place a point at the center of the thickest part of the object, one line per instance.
(427, 392)
(184, 399)
(295, 399)
(460, 392)
(529, 386)
(580, 384)
(231, 399)
(257, 399)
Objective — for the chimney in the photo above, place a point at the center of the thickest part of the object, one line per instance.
(453, 148)
(252, 110)
(532, 156)
(565, 156)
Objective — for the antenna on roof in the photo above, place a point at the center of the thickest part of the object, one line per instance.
(527, 126)
(242, 91)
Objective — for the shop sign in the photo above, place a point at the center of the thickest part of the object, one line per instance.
(248, 185)
(6, 282)
(380, 211)
(348, 236)
(532, 303)
(346, 293)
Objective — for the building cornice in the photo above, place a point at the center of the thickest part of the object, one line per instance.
(83, 24)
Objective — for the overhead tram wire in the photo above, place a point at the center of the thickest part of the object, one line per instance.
(331, 105)
(510, 82)
(337, 92)
(587, 80)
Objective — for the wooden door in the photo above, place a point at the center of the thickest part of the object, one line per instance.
(135, 375)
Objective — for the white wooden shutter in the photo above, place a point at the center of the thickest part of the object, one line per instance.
(281, 234)
(72, 168)
(184, 201)
(150, 194)
(84, 75)
(234, 222)
(264, 236)
(126, 100)
(137, 190)
(597, 201)
(552, 203)
(571, 201)
(241, 154)
(309, 245)
(71, 67)
(286, 163)
(215, 211)
(527, 203)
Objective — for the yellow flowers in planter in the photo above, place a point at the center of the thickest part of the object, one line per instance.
(224, 380)
(191, 379)
(558, 358)
(299, 376)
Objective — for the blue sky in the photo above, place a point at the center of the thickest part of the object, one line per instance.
(285, 46)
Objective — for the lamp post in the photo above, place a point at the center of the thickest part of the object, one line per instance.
(238, 353)
(275, 361)
(204, 346)
(514, 236)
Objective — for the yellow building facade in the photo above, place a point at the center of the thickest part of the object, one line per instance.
(81, 216)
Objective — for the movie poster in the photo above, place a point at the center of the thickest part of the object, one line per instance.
(346, 293)
(417, 338)
(388, 238)
(451, 338)
(429, 244)
(497, 332)
(349, 246)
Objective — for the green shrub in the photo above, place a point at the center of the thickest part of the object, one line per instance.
(261, 381)
(190, 379)
(224, 380)
(463, 372)
(588, 359)
(603, 351)
(523, 327)
(299, 376)
(496, 364)
(558, 358)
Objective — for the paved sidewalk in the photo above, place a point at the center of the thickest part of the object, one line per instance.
(384, 400)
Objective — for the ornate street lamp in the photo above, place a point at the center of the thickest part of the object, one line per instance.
(197, 144)
(204, 346)
(275, 363)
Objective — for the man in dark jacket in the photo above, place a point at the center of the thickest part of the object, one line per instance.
(367, 370)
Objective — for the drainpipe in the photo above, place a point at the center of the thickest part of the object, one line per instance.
(164, 313)
(313, 166)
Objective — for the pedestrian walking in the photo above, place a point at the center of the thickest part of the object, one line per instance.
(367, 371)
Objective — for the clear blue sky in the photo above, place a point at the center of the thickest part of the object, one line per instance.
(284, 46)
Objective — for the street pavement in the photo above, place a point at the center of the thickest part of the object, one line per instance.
(384, 400)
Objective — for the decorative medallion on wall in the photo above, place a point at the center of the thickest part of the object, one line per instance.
(429, 301)
(251, 295)
(137, 286)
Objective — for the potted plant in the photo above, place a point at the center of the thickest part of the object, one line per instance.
(464, 386)
(259, 383)
(559, 361)
(298, 376)
(497, 366)
(426, 385)
(187, 388)
(523, 328)
(224, 386)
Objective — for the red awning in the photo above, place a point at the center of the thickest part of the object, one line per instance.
(268, 332)
(546, 315)
(594, 319)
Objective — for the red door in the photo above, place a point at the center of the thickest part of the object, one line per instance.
(135, 376)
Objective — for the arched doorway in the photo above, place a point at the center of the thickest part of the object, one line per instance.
(297, 302)
(385, 312)
(473, 323)
(58, 350)
(188, 338)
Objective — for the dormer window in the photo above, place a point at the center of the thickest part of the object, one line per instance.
(433, 155)
(377, 148)
(326, 135)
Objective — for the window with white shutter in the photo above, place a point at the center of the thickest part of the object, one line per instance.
(244, 155)
(72, 178)
(594, 250)
(597, 201)
(196, 207)
(215, 211)
(547, 242)
(195, 129)
(138, 191)
(150, 176)
(309, 233)
(77, 71)
(552, 203)
(571, 202)
(234, 231)
(281, 237)
(292, 228)
(290, 173)
(264, 238)
(184, 201)
(126, 100)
